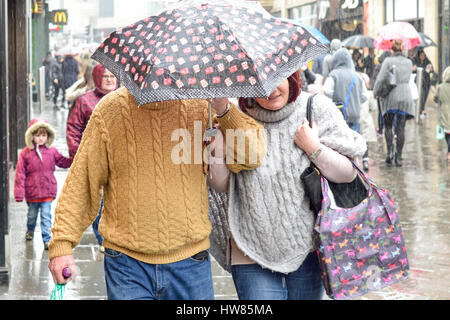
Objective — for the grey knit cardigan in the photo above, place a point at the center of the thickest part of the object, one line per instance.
(266, 209)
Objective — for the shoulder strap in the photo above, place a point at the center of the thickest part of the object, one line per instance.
(309, 109)
(347, 99)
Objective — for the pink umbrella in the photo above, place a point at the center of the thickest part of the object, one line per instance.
(397, 31)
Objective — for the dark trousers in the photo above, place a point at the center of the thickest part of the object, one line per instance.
(380, 117)
(447, 138)
(400, 122)
(57, 87)
(423, 100)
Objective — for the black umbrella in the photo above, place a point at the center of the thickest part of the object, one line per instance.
(207, 49)
(426, 41)
(358, 41)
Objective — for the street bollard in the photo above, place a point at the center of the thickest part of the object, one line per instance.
(419, 80)
(41, 88)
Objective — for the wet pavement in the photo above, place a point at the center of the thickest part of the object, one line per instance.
(420, 188)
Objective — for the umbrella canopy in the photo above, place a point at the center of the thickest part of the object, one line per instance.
(358, 41)
(397, 31)
(207, 49)
(67, 50)
(426, 41)
(313, 30)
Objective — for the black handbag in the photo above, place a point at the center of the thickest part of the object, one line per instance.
(390, 82)
(346, 195)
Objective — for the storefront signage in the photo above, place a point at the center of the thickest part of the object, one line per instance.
(37, 6)
(59, 17)
(350, 4)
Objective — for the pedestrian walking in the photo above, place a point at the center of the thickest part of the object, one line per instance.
(80, 87)
(422, 61)
(35, 180)
(369, 63)
(70, 70)
(397, 104)
(104, 83)
(57, 77)
(346, 88)
(368, 130)
(327, 65)
(373, 79)
(442, 98)
(155, 220)
(357, 60)
(267, 232)
(47, 62)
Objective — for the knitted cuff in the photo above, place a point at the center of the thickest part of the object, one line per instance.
(59, 248)
(233, 119)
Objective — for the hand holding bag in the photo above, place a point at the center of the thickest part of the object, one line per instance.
(347, 194)
(361, 249)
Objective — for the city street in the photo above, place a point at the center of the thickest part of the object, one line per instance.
(420, 188)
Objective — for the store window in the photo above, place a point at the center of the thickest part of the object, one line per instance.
(106, 8)
(306, 14)
(341, 18)
(406, 10)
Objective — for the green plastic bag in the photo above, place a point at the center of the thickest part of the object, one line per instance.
(440, 134)
(58, 292)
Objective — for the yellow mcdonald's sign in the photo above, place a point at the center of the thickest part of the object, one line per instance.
(59, 17)
(37, 6)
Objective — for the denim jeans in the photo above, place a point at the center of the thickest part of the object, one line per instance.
(355, 126)
(252, 282)
(46, 218)
(131, 279)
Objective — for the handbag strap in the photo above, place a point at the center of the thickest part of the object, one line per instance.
(309, 109)
(362, 174)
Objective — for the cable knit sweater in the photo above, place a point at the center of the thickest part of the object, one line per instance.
(155, 210)
(268, 213)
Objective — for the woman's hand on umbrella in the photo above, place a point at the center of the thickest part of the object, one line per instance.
(219, 104)
(307, 138)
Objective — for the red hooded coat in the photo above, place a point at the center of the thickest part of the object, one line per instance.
(35, 177)
(82, 110)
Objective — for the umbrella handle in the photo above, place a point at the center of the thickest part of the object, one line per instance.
(210, 115)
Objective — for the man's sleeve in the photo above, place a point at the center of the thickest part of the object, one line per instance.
(246, 141)
(79, 201)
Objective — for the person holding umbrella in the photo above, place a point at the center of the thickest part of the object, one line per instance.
(397, 103)
(154, 222)
(269, 247)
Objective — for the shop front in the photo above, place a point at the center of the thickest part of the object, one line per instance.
(341, 18)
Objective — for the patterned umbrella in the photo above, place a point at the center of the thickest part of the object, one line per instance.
(397, 31)
(207, 49)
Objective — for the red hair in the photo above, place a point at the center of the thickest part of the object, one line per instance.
(295, 84)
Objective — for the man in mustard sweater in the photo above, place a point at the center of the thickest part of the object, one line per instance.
(155, 221)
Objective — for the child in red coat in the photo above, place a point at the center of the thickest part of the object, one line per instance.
(35, 180)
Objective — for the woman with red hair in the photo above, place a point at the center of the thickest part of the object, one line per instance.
(266, 238)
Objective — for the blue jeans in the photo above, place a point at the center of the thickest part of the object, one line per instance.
(252, 282)
(46, 218)
(355, 126)
(131, 279)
